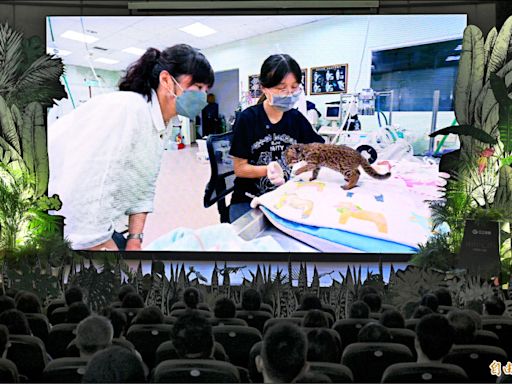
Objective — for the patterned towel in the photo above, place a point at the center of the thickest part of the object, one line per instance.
(392, 212)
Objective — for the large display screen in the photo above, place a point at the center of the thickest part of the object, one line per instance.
(371, 85)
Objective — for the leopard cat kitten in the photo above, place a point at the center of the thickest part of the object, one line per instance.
(340, 158)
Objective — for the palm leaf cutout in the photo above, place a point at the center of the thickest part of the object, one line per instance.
(466, 130)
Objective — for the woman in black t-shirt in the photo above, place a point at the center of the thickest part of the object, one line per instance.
(264, 131)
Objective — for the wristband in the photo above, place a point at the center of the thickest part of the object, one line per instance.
(139, 236)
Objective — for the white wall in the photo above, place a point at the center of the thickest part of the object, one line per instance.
(339, 40)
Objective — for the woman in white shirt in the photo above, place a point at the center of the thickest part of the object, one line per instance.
(105, 155)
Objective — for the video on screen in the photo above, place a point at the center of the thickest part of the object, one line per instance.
(252, 133)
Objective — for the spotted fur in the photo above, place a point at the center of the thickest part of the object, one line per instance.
(340, 158)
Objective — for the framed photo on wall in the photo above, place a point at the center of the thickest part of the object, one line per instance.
(329, 79)
(254, 86)
(304, 80)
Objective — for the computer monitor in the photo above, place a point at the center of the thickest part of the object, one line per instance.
(332, 112)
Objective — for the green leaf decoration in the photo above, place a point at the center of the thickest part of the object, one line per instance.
(35, 151)
(7, 126)
(466, 130)
(498, 56)
(10, 56)
(488, 48)
(470, 76)
(499, 89)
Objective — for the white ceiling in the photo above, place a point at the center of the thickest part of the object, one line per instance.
(117, 33)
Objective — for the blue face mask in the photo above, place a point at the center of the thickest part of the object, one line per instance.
(190, 103)
(285, 103)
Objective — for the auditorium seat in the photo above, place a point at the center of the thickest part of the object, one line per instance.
(195, 371)
(29, 355)
(338, 373)
(65, 370)
(256, 319)
(424, 373)
(348, 329)
(146, 339)
(237, 342)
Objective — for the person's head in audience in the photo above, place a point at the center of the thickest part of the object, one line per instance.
(124, 290)
(322, 346)
(192, 337)
(476, 305)
(434, 338)
(77, 312)
(251, 300)
(312, 377)
(464, 327)
(443, 297)
(373, 300)
(149, 315)
(224, 308)
(15, 321)
(421, 311)
(359, 310)
(132, 300)
(93, 334)
(11, 292)
(366, 290)
(191, 297)
(27, 302)
(374, 333)
(73, 295)
(118, 320)
(114, 365)
(430, 300)
(315, 318)
(6, 302)
(475, 316)
(391, 318)
(310, 301)
(283, 354)
(4, 339)
(494, 306)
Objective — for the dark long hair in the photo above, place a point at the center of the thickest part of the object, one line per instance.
(275, 68)
(143, 75)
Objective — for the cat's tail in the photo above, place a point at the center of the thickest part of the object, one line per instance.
(372, 172)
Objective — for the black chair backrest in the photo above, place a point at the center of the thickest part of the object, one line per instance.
(278, 320)
(475, 360)
(368, 361)
(237, 341)
(483, 337)
(59, 338)
(424, 373)
(411, 324)
(348, 329)
(222, 179)
(263, 307)
(181, 305)
(233, 321)
(338, 373)
(29, 355)
(54, 305)
(8, 372)
(130, 314)
(58, 315)
(39, 325)
(195, 371)
(444, 309)
(502, 327)
(65, 370)
(181, 312)
(404, 336)
(147, 338)
(166, 351)
(256, 319)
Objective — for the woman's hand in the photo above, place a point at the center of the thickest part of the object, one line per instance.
(275, 173)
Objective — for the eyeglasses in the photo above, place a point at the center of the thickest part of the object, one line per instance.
(287, 92)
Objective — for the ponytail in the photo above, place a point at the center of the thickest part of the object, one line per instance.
(144, 75)
(139, 75)
(262, 98)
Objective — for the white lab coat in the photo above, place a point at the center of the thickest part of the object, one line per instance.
(104, 160)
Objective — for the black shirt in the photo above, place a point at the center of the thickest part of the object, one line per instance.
(260, 142)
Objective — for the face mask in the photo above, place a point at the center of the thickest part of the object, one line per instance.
(285, 103)
(190, 103)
